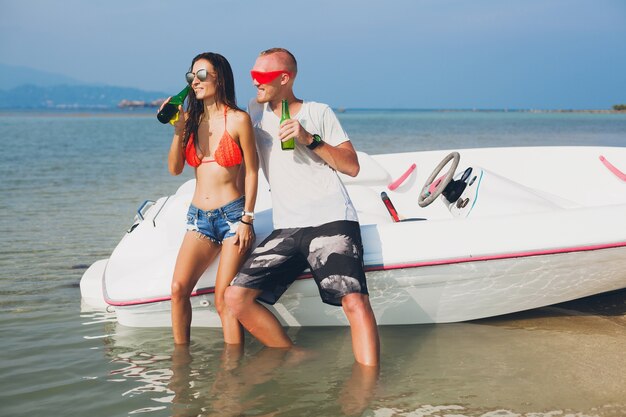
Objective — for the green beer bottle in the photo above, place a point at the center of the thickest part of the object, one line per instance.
(288, 144)
(169, 112)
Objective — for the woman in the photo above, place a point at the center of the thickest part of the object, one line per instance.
(215, 137)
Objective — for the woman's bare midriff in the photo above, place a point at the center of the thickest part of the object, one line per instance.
(216, 186)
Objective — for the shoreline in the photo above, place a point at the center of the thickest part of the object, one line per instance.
(114, 112)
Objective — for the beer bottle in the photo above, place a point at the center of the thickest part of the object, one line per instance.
(169, 112)
(290, 143)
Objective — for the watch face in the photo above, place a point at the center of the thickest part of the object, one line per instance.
(317, 140)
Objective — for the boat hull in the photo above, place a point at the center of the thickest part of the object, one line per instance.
(527, 235)
(433, 294)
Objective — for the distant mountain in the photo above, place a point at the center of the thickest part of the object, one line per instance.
(12, 76)
(74, 97)
(28, 88)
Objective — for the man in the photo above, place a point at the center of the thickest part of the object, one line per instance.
(315, 223)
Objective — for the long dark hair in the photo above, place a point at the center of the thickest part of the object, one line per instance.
(225, 93)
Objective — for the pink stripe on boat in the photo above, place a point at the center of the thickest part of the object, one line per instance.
(512, 255)
(402, 178)
(619, 174)
(439, 262)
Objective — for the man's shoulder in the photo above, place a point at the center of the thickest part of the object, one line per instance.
(254, 105)
(318, 107)
(255, 109)
(318, 111)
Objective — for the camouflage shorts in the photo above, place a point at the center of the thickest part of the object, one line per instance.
(333, 252)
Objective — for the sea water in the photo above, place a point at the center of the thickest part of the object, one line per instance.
(69, 187)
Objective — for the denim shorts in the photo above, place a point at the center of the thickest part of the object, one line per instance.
(217, 224)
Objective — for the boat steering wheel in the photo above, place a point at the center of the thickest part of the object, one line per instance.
(428, 195)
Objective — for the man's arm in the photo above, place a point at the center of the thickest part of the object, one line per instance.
(341, 158)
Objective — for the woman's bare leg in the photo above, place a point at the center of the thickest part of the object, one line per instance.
(230, 262)
(194, 257)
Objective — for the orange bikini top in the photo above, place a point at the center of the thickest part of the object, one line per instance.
(227, 153)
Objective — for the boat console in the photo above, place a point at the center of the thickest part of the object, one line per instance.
(478, 192)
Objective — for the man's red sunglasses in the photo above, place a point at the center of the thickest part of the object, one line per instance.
(262, 77)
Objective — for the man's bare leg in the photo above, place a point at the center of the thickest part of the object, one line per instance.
(257, 319)
(363, 327)
(358, 390)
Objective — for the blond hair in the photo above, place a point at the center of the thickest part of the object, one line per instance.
(289, 61)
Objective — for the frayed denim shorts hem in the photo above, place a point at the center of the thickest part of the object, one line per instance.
(217, 224)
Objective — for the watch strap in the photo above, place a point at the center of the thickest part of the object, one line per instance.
(317, 141)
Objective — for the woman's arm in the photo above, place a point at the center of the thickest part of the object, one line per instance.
(175, 161)
(251, 180)
(175, 158)
(248, 146)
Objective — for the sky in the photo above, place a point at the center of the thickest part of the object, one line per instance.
(418, 54)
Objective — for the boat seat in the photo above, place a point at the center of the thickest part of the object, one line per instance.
(371, 172)
(369, 206)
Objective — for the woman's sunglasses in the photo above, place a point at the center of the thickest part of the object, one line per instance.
(267, 77)
(202, 75)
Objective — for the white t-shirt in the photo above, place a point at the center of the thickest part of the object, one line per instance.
(305, 190)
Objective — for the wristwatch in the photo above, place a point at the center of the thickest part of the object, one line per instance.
(248, 213)
(317, 141)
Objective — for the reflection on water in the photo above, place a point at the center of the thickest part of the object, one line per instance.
(565, 360)
(211, 379)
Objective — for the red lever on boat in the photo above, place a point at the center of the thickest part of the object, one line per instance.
(390, 208)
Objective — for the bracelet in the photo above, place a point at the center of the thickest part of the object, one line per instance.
(245, 222)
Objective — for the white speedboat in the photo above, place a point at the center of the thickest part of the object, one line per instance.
(509, 229)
